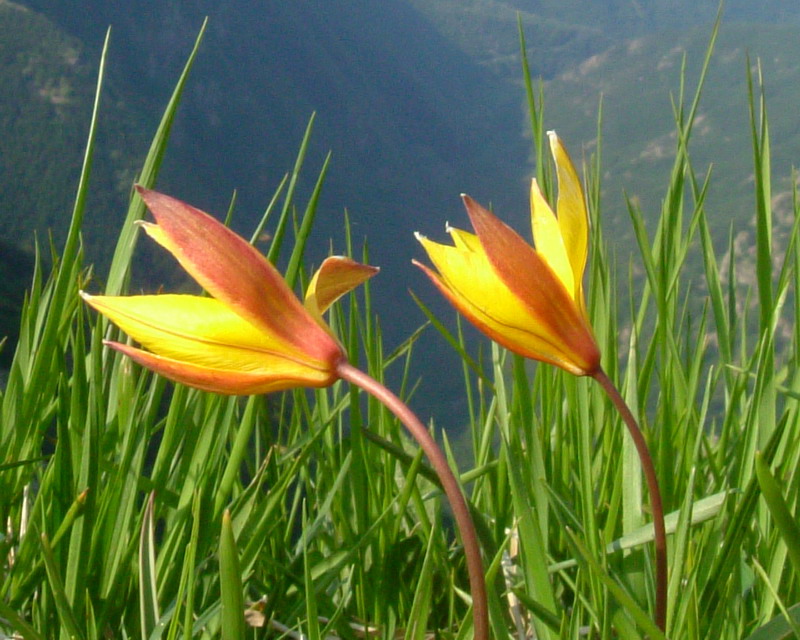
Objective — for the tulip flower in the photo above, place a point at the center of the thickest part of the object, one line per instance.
(253, 335)
(530, 300)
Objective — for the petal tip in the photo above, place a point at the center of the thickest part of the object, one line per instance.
(469, 202)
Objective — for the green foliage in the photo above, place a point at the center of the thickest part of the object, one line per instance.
(136, 508)
(46, 87)
(564, 34)
(16, 268)
(41, 74)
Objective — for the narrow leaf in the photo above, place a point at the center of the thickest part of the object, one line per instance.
(230, 583)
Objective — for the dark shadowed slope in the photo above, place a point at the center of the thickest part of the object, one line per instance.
(411, 121)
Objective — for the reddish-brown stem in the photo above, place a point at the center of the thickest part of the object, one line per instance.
(660, 538)
(469, 538)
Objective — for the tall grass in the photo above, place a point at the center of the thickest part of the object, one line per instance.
(136, 508)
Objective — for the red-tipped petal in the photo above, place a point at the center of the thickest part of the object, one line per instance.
(336, 276)
(204, 332)
(220, 380)
(523, 340)
(235, 273)
(531, 279)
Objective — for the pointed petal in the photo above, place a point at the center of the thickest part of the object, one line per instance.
(469, 281)
(336, 276)
(517, 339)
(572, 215)
(231, 382)
(204, 332)
(469, 275)
(234, 272)
(464, 239)
(547, 238)
(535, 285)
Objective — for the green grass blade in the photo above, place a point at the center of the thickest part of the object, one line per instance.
(779, 628)
(259, 230)
(120, 263)
(761, 161)
(417, 624)
(702, 511)
(536, 114)
(70, 252)
(66, 615)
(293, 269)
(312, 617)
(230, 584)
(723, 561)
(784, 520)
(451, 340)
(283, 220)
(12, 617)
(620, 595)
(187, 584)
(148, 593)
(237, 453)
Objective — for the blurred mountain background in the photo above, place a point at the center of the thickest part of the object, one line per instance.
(418, 101)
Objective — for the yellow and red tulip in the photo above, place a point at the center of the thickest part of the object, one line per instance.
(528, 300)
(252, 335)
(531, 302)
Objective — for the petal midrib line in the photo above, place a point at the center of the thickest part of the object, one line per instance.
(288, 353)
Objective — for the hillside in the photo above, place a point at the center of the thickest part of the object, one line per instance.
(561, 34)
(417, 102)
(47, 83)
(405, 142)
(393, 132)
(630, 54)
(46, 90)
(636, 80)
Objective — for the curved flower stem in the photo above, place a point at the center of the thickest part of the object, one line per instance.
(660, 538)
(452, 490)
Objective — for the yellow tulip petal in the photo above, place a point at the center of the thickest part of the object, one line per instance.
(518, 266)
(204, 332)
(535, 285)
(464, 239)
(231, 382)
(547, 238)
(469, 274)
(235, 273)
(572, 215)
(471, 284)
(336, 276)
(529, 300)
(517, 339)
